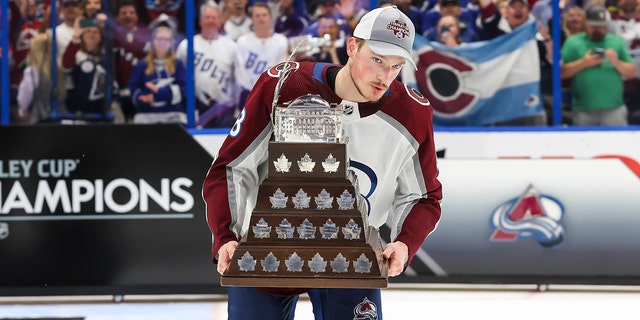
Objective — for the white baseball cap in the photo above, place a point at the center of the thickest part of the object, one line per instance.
(388, 32)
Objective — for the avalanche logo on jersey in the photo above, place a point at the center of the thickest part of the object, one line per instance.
(365, 310)
(530, 216)
(287, 65)
(417, 95)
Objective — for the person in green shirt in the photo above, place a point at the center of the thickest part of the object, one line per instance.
(597, 63)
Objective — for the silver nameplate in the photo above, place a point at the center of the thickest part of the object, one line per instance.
(294, 263)
(363, 264)
(278, 199)
(329, 230)
(301, 200)
(306, 164)
(340, 264)
(351, 231)
(282, 164)
(285, 230)
(345, 201)
(306, 230)
(247, 262)
(330, 164)
(262, 230)
(317, 264)
(324, 200)
(270, 263)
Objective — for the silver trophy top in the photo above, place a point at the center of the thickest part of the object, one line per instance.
(309, 118)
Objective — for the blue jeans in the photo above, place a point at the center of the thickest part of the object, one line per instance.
(328, 304)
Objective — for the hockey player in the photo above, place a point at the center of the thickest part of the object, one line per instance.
(391, 138)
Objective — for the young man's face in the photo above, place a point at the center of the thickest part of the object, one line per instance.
(127, 17)
(371, 73)
(261, 17)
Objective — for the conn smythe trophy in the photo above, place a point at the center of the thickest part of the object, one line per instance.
(309, 226)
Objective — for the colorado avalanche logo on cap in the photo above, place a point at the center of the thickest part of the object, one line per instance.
(399, 29)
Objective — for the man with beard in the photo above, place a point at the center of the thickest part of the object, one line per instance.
(625, 24)
(597, 63)
(130, 43)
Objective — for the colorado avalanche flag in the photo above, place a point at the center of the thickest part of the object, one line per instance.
(480, 83)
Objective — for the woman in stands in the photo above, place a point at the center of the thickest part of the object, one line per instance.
(158, 82)
(83, 60)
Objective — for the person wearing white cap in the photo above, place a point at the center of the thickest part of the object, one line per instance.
(390, 130)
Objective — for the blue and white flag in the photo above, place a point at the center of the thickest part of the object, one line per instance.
(480, 83)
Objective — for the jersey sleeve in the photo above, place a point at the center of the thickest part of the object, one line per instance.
(416, 211)
(230, 186)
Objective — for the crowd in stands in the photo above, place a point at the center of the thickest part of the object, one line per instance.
(127, 62)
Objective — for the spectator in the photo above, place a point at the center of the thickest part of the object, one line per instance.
(92, 9)
(214, 64)
(258, 50)
(467, 18)
(414, 14)
(335, 52)
(449, 31)
(71, 14)
(236, 21)
(83, 60)
(343, 11)
(155, 9)
(624, 24)
(130, 43)
(34, 92)
(597, 62)
(466, 31)
(24, 24)
(289, 23)
(494, 25)
(158, 82)
(574, 21)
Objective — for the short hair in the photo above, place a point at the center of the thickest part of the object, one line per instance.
(126, 3)
(261, 5)
(208, 5)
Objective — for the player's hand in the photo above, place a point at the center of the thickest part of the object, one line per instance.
(224, 255)
(397, 253)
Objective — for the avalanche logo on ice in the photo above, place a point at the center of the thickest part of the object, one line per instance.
(532, 215)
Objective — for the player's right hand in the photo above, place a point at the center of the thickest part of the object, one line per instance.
(224, 255)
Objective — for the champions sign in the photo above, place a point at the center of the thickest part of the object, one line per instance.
(106, 206)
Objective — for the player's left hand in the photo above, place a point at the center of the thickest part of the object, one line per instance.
(397, 253)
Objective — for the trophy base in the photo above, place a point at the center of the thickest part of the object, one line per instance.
(267, 265)
(303, 282)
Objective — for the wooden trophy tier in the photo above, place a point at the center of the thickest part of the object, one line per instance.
(309, 227)
(307, 160)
